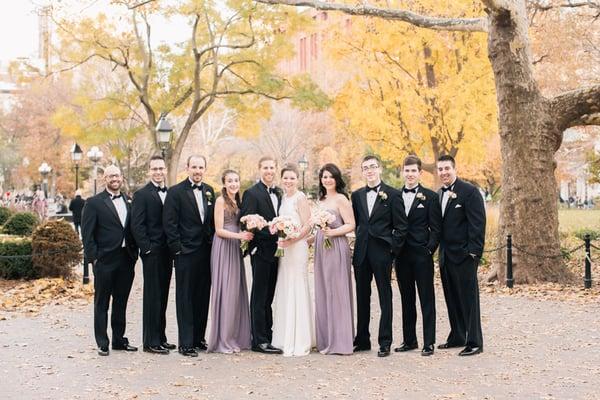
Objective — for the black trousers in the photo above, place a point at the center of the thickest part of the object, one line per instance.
(157, 269)
(264, 278)
(113, 277)
(77, 226)
(414, 266)
(378, 264)
(461, 291)
(192, 296)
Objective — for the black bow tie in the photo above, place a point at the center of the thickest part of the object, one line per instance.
(272, 190)
(161, 189)
(115, 196)
(375, 189)
(197, 187)
(413, 190)
(445, 189)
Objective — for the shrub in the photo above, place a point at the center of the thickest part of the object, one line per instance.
(56, 249)
(21, 224)
(594, 234)
(17, 266)
(5, 214)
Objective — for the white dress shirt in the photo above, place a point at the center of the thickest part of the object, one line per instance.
(162, 195)
(409, 198)
(121, 207)
(371, 197)
(445, 198)
(199, 200)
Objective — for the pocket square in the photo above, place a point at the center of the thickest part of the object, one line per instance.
(458, 206)
(420, 206)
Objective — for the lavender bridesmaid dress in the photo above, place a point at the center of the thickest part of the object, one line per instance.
(333, 294)
(230, 313)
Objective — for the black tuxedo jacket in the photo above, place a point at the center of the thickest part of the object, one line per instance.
(186, 233)
(257, 200)
(386, 223)
(147, 219)
(463, 223)
(424, 221)
(101, 228)
(76, 206)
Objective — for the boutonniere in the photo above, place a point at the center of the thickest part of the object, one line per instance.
(451, 194)
(421, 196)
(382, 195)
(209, 197)
(278, 192)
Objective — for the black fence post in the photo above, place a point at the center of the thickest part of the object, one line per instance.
(587, 279)
(509, 267)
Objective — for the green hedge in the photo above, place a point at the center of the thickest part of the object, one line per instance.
(594, 234)
(19, 267)
(5, 214)
(21, 224)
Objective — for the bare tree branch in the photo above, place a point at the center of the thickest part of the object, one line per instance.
(423, 21)
(577, 107)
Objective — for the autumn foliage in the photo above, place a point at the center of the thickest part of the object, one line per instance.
(56, 249)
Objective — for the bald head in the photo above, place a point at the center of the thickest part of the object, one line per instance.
(113, 178)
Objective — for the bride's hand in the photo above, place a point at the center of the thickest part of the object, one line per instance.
(310, 240)
(284, 243)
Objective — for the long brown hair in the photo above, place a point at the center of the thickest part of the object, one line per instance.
(228, 202)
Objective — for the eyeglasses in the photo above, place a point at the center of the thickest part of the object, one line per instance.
(113, 176)
(371, 167)
(157, 169)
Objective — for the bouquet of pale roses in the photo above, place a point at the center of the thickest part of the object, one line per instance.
(251, 223)
(322, 219)
(285, 228)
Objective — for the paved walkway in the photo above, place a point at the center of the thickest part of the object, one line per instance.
(533, 350)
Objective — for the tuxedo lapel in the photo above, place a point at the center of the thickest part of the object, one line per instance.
(382, 189)
(267, 196)
(205, 205)
(363, 201)
(112, 208)
(190, 195)
(154, 193)
(415, 202)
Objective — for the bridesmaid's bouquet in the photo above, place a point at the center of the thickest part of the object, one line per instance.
(322, 219)
(251, 223)
(285, 228)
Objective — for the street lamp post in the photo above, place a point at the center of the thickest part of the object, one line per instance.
(44, 170)
(303, 166)
(95, 155)
(164, 130)
(76, 155)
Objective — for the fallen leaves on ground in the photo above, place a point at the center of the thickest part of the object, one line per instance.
(547, 291)
(30, 296)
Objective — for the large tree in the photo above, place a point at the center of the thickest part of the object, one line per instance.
(231, 55)
(531, 124)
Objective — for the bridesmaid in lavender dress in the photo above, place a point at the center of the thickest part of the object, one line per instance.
(230, 314)
(333, 284)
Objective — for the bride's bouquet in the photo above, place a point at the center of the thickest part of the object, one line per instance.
(285, 228)
(322, 219)
(251, 223)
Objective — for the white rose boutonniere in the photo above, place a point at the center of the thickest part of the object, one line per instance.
(382, 195)
(209, 197)
(421, 196)
(451, 194)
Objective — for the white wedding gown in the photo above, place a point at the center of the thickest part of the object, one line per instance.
(293, 318)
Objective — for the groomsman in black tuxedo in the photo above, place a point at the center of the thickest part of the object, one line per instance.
(147, 229)
(461, 246)
(189, 225)
(264, 199)
(380, 230)
(110, 248)
(414, 265)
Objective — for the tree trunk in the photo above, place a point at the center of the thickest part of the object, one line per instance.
(529, 140)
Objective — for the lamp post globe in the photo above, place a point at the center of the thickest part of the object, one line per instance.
(164, 131)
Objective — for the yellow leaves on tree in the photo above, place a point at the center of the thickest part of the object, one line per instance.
(414, 90)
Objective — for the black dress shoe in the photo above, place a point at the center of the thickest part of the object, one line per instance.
(406, 347)
(449, 345)
(168, 346)
(427, 350)
(267, 349)
(361, 348)
(202, 346)
(470, 351)
(188, 352)
(156, 350)
(125, 347)
(103, 351)
(384, 351)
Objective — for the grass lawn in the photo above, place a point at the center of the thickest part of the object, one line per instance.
(571, 220)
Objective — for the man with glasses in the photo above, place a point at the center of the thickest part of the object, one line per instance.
(147, 228)
(109, 246)
(380, 229)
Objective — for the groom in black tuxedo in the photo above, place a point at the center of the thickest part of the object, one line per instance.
(189, 225)
(263, 199)
(380, 230)
(147, 228)
(414, 265)
(461, 246)
(109, 246)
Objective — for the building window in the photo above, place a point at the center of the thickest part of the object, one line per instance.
(303, 54)
(313, 46)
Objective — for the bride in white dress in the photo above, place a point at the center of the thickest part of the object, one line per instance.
(293, 317)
